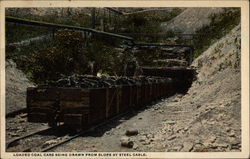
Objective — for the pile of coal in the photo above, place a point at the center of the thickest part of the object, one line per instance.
(83, 81)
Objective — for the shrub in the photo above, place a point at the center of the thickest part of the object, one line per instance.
(69, 53)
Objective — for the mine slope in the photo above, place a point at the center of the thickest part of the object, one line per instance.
(207, 118)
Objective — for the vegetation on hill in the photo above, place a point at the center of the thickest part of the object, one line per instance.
(147, 23)
(221, 24)
(68, 53)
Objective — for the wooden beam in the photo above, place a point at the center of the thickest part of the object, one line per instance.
(136, 12)
(61, 26)
(114, 10)
(160, 45)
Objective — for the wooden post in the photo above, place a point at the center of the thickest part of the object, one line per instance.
(107, 103)
(102, 25)
(104, 20)
(109, 17)
(85, 39)
(93, 18)
(53, 33)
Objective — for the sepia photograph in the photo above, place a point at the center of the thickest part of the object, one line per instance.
(83, 81)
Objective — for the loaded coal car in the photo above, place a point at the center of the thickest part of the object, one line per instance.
(173, 62)
(86, 100)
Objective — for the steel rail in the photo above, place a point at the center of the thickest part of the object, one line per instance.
(15, 140)
(15, 113)
(82, 132)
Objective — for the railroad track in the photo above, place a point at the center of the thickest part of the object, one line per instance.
(17, 112)
(83, 132)
(35, 140)
(38, 141)
(16, 140)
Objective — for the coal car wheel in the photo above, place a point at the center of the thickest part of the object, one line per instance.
(52, 124)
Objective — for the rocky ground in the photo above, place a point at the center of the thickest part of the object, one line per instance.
(16, 85)
(207, 118)
(18, 126)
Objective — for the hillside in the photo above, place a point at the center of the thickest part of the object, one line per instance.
(16, 85)
(211, 109)
(190, 20)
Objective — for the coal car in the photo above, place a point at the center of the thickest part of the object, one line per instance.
(86, 100)
(81, 106)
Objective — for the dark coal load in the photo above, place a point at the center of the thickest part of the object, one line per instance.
(82, 81)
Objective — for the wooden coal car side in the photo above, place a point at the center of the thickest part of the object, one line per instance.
(78, 106)
(182, 76)
(73, 106)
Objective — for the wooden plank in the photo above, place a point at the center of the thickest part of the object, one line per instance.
(118, 99)
(98, 98)
(114, 10)
(107, 103)
(41, 110)
(125, 101)
(41, 94)
(41, 104)
(74, 104)
(74, 94)
(96, 116)
(114, 96)
(78, 110)
(139, 96)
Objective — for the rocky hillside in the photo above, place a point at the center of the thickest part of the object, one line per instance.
(209, 115)
(16, 85)
(190, 20)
